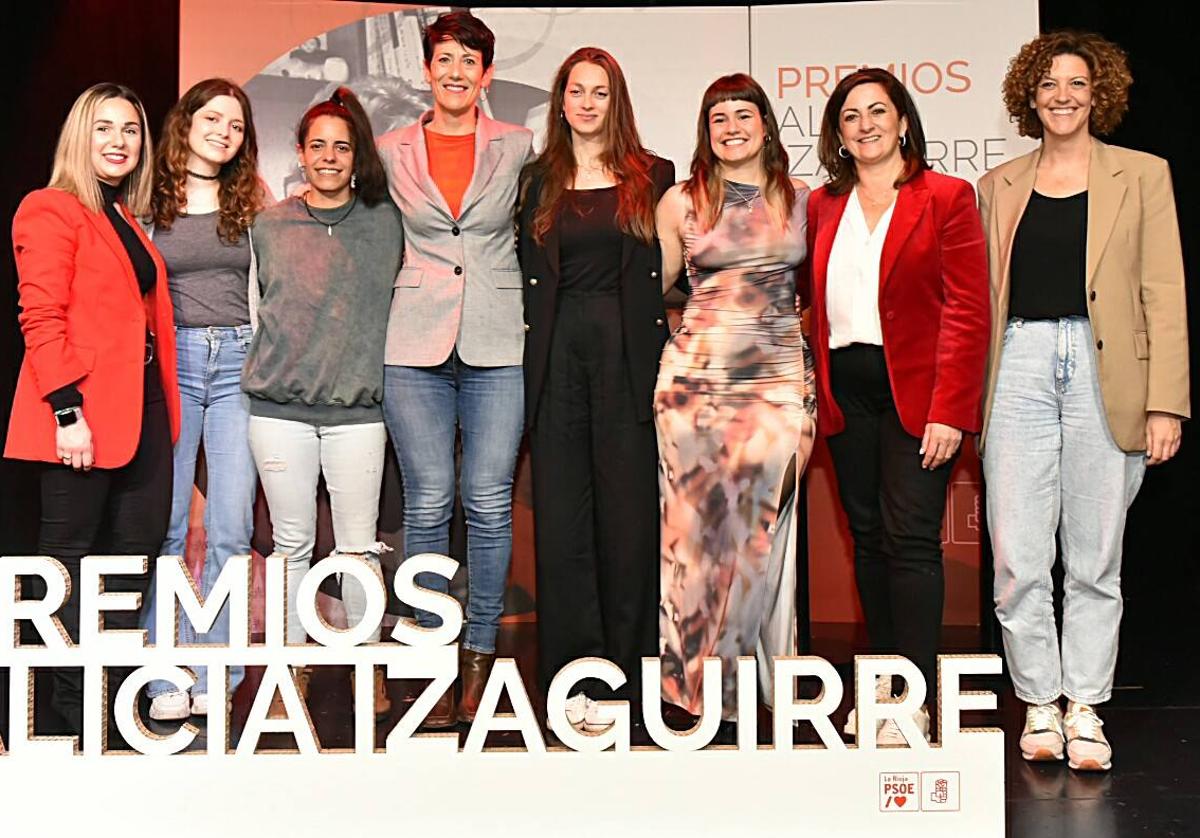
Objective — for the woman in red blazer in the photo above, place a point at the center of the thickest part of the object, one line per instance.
(96, 399)
(900, 317)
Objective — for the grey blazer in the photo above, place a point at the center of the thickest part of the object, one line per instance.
(460, 285)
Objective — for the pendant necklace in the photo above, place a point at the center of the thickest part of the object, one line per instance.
(742, 194)
(329, 225)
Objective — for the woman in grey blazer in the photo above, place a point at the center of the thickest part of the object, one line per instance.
(455, 333)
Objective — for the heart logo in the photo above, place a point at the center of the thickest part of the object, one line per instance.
(901, 800)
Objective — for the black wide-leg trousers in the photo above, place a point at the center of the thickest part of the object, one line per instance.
(895, 510)
(595, 502)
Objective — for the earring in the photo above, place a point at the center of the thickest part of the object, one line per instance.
(903, 140)
(303, 171)
(842, 153)
(353, 181)
(767, 138)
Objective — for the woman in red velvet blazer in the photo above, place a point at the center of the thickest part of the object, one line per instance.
(900, 315)
(97, 399)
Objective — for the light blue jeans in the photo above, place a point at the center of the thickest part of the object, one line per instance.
(1051, 467)
(212, 408)
(424, 407)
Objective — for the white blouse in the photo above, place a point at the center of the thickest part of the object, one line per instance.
(852, 278)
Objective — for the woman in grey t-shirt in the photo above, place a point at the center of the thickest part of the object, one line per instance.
(206, 196)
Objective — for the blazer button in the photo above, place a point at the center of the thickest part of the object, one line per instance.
(527, 327)
(891, 315)
(455, 231)
(658, 321)
(1092, 295)
(1099, 344)
(458, 270)
(533, 281)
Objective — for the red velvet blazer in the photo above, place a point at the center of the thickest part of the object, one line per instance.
(84, 321)
(933, 303)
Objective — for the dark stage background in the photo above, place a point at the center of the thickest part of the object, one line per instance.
(59, 48)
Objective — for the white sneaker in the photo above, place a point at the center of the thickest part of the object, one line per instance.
(584, 715)
(1087, 747)
(200, 704)
(577, 709)
(592, 720)
(1043, 736)
(883, 692)
(171, 706)
(889, 735)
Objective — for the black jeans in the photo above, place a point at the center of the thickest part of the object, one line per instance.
(895, 509)
(595, 502)
(121, 511)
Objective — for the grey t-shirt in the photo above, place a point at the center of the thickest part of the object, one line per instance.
(208, 276)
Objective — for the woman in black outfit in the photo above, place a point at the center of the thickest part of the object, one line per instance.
(595, 326)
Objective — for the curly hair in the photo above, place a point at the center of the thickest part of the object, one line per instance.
(1106, 62)
(241, 194)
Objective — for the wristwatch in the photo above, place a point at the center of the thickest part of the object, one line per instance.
(68, 416)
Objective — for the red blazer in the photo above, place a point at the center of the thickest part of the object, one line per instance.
(934, 307)
(84, 321)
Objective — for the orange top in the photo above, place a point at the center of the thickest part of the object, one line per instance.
(451, 164)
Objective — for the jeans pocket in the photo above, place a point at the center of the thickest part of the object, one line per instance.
(1010, 329)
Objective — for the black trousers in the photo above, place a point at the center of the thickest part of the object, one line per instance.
(121, 511)
(595, 502)
(895, 510)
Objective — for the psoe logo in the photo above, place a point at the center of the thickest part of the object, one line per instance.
(940, 789)
(900, 792)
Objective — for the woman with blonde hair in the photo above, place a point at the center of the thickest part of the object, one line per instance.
(206, 195)
(1087, 376)
(97, 399)
(734, 401)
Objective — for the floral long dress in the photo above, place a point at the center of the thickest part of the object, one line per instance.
(734, 411)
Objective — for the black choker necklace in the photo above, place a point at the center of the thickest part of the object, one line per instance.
(329, 225)
(199, 176)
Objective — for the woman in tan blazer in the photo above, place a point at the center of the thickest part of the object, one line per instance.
(1087, 376)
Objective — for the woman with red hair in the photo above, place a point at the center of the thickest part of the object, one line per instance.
(594, 310)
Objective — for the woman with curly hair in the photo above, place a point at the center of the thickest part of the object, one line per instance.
(1087, 376)
(206, 195)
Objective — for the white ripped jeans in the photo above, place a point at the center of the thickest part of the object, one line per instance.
(290, 457)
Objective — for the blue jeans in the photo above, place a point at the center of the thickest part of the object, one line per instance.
(1052, 468)
(423, 407)
(212, 408)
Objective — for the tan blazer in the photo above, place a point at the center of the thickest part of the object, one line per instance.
(1135, 295)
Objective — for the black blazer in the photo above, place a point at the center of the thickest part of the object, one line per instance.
(643, 316)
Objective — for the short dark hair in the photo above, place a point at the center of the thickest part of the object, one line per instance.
(841, 170)
(463, 27)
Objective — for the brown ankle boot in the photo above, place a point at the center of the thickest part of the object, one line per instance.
(474, 669)
(277, 709)
(383, 704)
(443, 713)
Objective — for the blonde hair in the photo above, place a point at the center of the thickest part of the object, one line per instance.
(73, 170)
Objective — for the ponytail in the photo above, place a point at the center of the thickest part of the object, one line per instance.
(370, 179)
